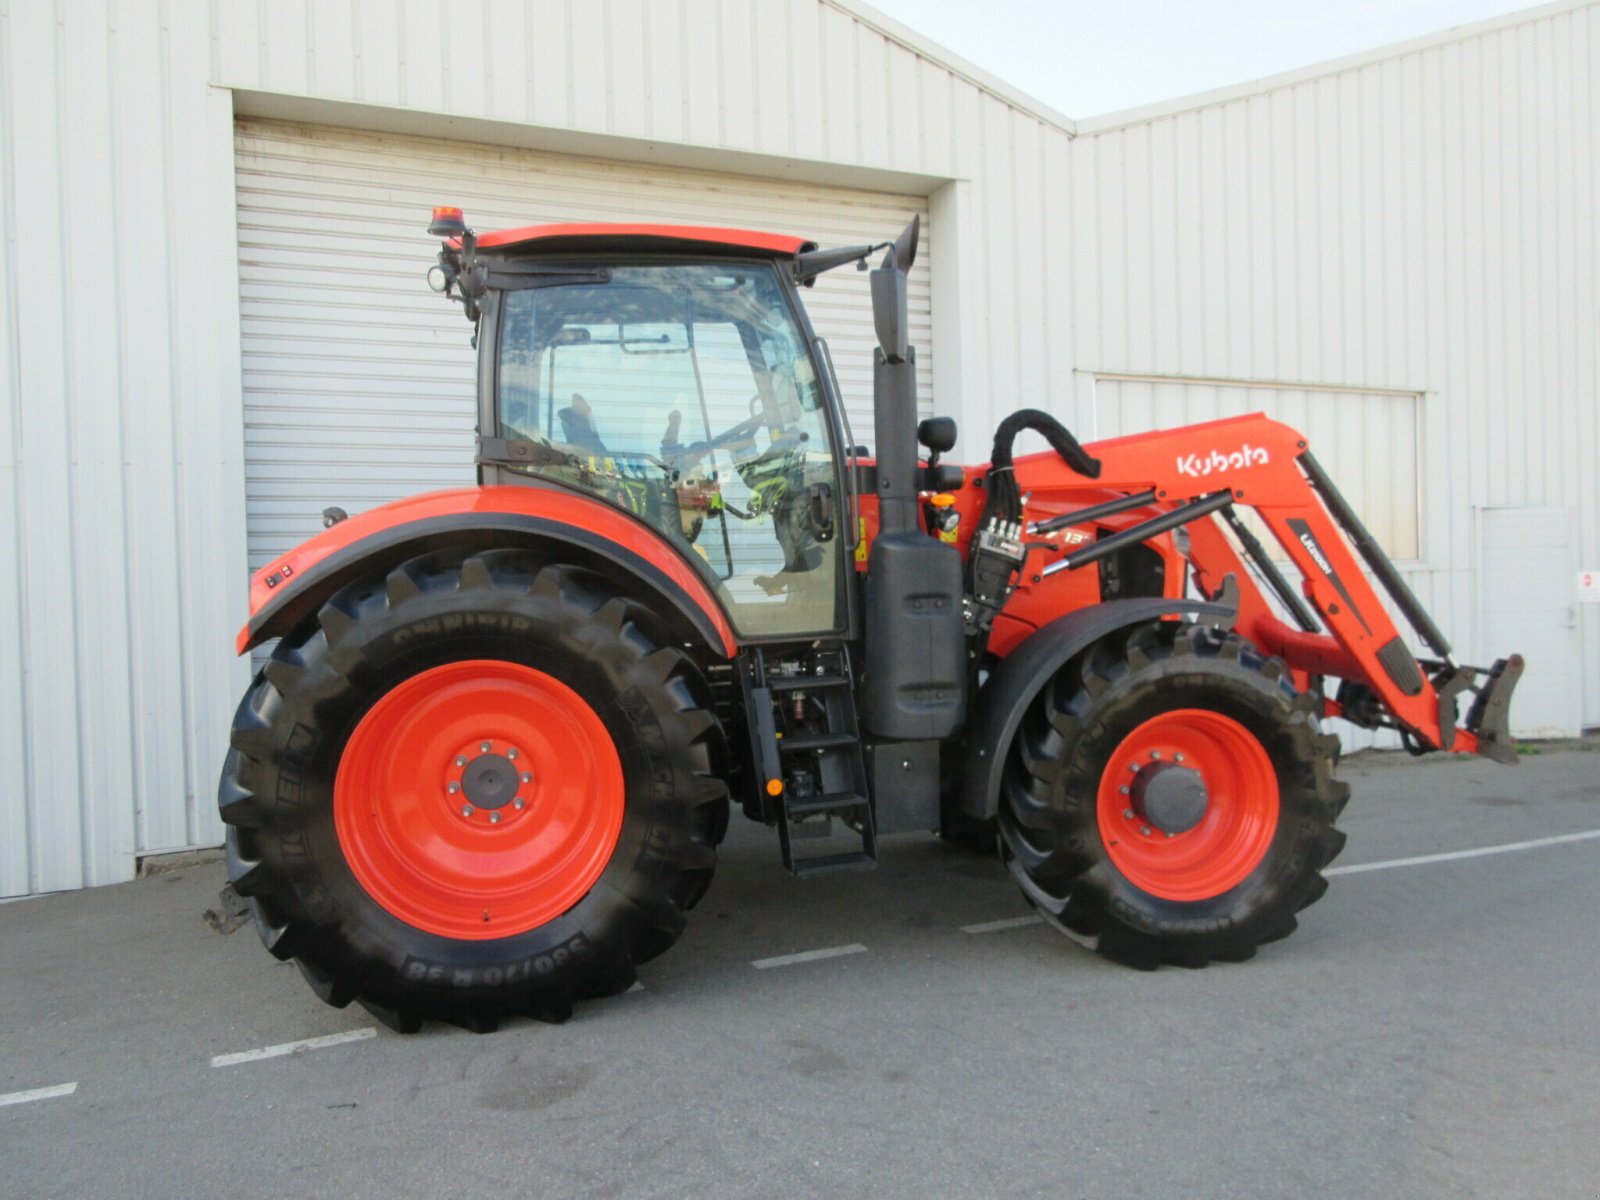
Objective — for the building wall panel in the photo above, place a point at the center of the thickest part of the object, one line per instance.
(115, 673)
(1416, 222)
(1421, 220)
(358, 379)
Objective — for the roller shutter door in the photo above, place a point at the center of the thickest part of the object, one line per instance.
(358, 379)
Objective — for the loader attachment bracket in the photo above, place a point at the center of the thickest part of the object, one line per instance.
(1487, 718)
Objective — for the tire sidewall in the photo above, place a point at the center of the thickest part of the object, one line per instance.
(1265, 708)
(390, 644)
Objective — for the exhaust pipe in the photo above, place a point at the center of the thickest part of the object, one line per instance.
(894, 386)
(914, 685)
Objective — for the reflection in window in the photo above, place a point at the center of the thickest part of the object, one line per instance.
(685, 395)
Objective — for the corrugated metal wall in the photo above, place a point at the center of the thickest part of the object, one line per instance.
(359, 380)
(1424, 221)
(120, 499)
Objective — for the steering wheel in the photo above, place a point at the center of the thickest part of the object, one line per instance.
(687, 455)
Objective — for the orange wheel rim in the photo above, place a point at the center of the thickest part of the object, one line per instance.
(479, 799)
(1240, 805)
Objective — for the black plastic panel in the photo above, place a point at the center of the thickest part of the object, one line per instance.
(914, 685)
(905, 786)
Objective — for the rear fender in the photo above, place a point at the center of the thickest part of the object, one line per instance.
(1012, 686)
(587, 532)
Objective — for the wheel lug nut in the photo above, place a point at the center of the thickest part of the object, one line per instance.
(1155, 754)
(461, 760)
(1177, 758)
(466, 810)
(511, 753)
(1171, 834)
(519, 802)
(1128, 813)
(454, 788)
(494, 818)
(527, 777)
(485, 746)
(1124, 789)
(1145, 830)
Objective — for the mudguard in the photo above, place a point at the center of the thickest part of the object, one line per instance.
(291, 588)
(1011, 686)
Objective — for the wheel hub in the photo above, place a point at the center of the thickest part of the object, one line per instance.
(490, 781)
(1169, 797)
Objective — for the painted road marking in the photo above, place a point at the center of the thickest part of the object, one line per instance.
(1453, 855)
(805, 956)
(1007, 923)
(300, 1047)
(44, 1093)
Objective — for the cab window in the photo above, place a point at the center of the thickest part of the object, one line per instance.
(685, 394)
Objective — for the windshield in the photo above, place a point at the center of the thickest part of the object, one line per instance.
(685, 394)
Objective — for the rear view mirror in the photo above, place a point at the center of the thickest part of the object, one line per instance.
(653, 339)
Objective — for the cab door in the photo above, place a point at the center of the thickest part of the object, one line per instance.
(686, 394)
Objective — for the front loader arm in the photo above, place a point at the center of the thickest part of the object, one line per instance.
(1345, 630)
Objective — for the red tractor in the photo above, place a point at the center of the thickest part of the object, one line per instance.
(488, 763)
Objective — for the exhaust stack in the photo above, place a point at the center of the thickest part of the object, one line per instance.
(914, 686)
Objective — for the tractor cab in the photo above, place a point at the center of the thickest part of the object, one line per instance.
(669, 372)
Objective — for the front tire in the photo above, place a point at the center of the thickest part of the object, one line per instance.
(1217, 857)
(476, 787)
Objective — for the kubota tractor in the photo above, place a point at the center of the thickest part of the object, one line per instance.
(488, 763)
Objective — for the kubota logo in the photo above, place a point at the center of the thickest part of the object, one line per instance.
(1219, 460)
(1310, 543)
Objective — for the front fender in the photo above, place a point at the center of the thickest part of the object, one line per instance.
(1012, 686)
(289, 589)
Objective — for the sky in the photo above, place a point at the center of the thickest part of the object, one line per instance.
(1088, 57)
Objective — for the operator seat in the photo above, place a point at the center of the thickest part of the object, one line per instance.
(577, 426)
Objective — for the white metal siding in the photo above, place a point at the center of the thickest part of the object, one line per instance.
(358, 379)
(1366, 440)
(121, 513)
(1422, 218)
(1529, 601)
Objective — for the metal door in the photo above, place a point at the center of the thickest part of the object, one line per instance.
(1527, 602)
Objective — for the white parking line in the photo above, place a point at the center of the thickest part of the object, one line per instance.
(300, 1047)
(1453, 855)
(997, 926)
(44, 1093)
(805, 956)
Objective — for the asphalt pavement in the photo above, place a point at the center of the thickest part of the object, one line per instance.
(1432, 1030)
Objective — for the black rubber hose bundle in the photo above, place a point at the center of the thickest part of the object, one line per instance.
(1005, 499)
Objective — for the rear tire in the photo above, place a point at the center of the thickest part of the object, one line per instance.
(1087, 855)
(366, 861)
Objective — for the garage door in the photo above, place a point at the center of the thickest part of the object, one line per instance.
(358, 379)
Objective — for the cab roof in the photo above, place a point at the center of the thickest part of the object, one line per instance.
(576, 238)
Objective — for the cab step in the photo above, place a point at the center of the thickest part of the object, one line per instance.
(804, 737)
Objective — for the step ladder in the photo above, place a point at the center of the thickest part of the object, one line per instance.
(803, 732)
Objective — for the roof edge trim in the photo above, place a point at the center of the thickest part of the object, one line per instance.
(970, 73)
